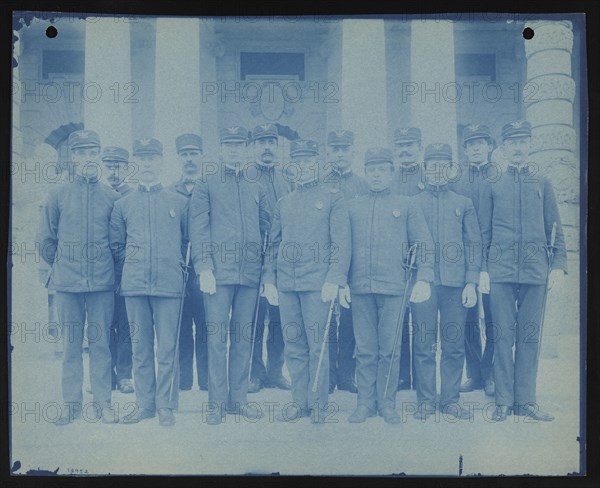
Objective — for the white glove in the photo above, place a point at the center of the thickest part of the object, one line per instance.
(556, 278)
(484, 282)
(208, 283)
(270, 293)
(420, 292)
(469, 296)
(345, 297)
(329, 292)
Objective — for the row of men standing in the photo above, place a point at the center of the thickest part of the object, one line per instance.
(232, 284)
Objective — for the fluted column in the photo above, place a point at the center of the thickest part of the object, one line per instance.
(549, 95)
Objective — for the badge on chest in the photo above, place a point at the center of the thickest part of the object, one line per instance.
(172, 213)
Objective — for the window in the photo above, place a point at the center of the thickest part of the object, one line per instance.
(272, 65)
(476, 66)
(62, 62)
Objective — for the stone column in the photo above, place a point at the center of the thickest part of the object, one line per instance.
(548, 95)
(177, 85)
(364, 87)
(211, 48)
(433, 80)
(109, 90)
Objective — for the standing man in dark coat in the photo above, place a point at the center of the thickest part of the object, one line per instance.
(189, 152)
(340, 156)
(471, 179)
(265, 144)
(409, 180)
(384, 226)
(148, 236)
(518, 213)
(116, 162)
(306, 269)
(229, 215)
(453, 224)
(74, 239)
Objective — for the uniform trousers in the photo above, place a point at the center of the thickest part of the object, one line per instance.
(375, 322)
(155, 387)
(228, 381)
(275, 344)
(193, 338)
(447, 300)
(74, 309)
(516, 310)
(303, 318)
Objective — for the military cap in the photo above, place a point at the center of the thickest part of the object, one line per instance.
(340, 138)
(379, 155)
(188, 141)
(265, 130)
(407, 134)
(83, 138)
(438, 151)
(233, 134)
(476, 131)
(114, 153)
(147, 146)
(520, 128)
(304, 146)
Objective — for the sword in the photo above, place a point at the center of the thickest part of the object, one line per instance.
(325, 337)
(186, 272)
(550, 254)
(263, 252)
(411, 266)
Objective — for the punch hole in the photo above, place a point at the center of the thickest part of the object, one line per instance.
(528, 33)
(51, 32)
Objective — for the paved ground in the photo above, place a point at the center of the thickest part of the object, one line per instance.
(241, 445)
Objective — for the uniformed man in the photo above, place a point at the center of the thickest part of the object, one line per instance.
(307, 268)
(229, 215)
(265, 144)
(116, 162)
(189, 152)
(148, 236)
(74, 225)
(453, 224)
(340, 156)
(470, 180)
(384, 226)
(409, 181)
(518, 213)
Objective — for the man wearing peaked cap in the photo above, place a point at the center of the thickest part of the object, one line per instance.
(474, 174)
(148, 236)
(384, 226)
(229, 216)
(312, 218)
(189, 153)
(116, 161)
(519, 128)
(518, 286)
(339, 175)
(408, 180)
(142, 147)
(453, 224)
(78, 211)
(265, 145)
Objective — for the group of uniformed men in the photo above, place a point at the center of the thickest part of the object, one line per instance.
(408, 250)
